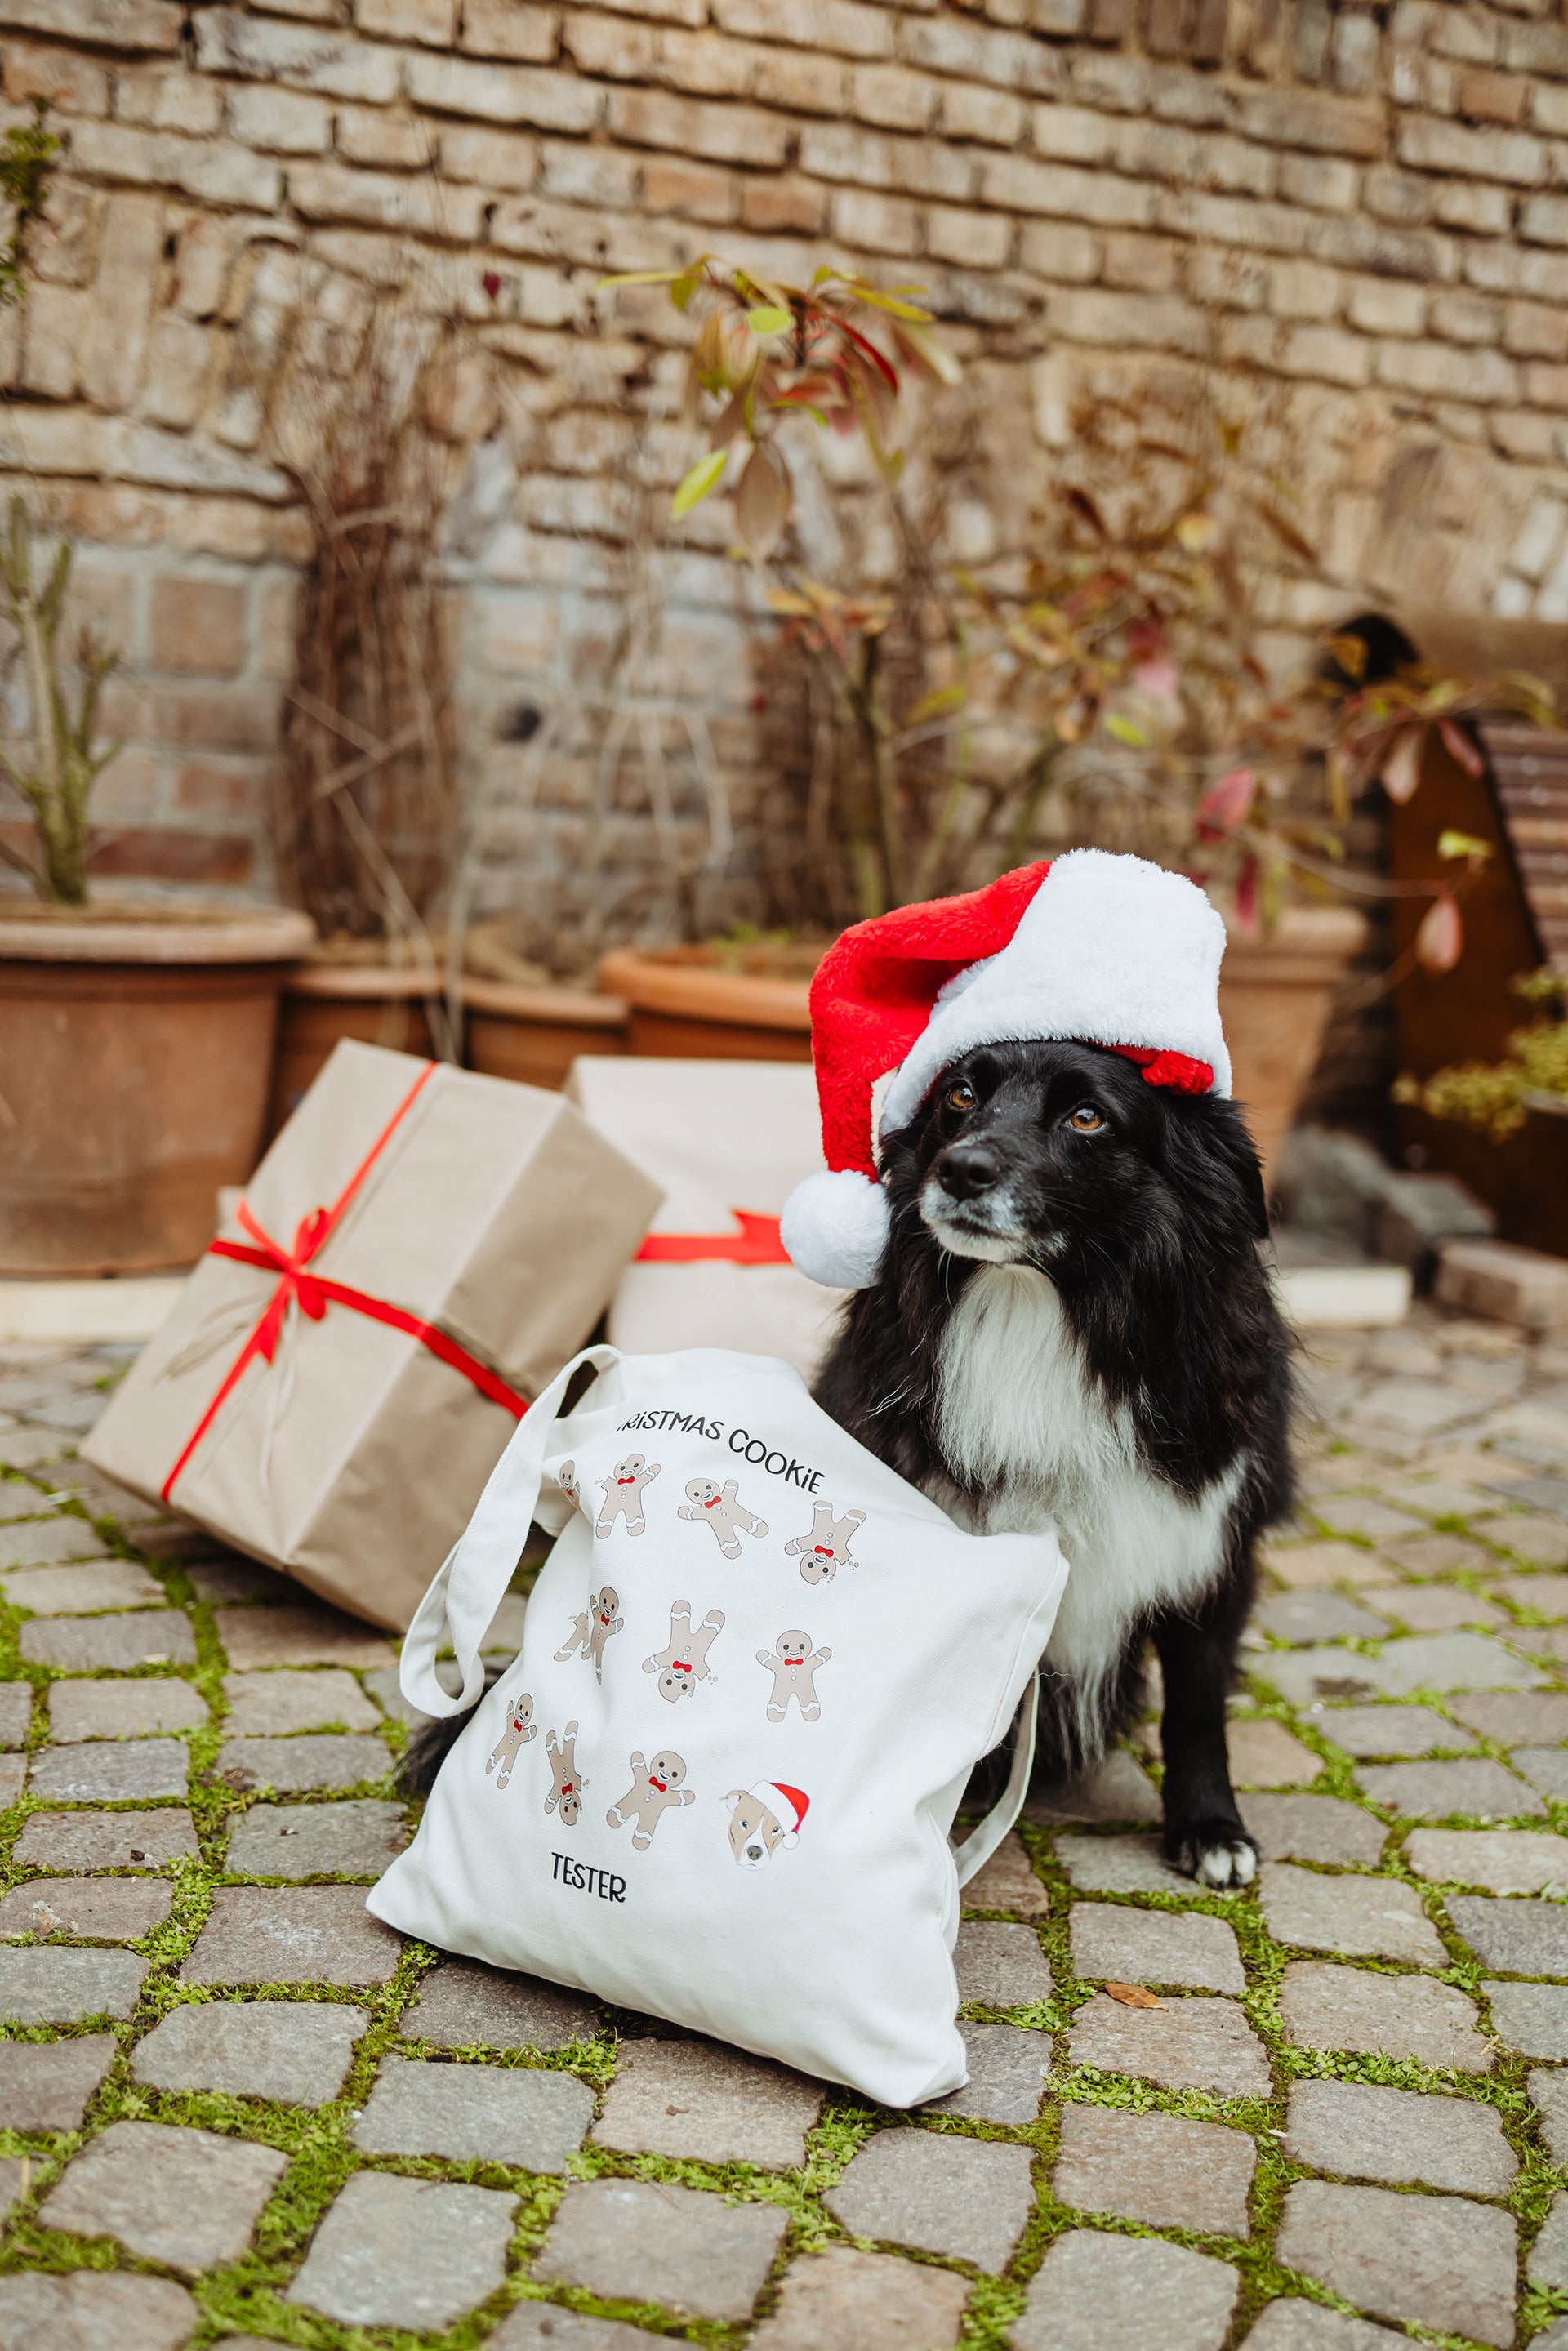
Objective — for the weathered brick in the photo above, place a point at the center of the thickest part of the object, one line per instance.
(288, 121)
(328, 191)
(699, 192)
(128, 25)
(768, 206)
(874, 223)
(1020, 184)
(720, 134)
(1379, 305)
(971, 53)
(515, 28)
(974, 240)
(61, 77)
(231, 41)
(217, 173)
(803, 85)
(894, 98)
(53, 323)
(972, 112)
(159, 100)
(494, 159)
(1295, 118)
(434, 22)
(846, 26)
(1427, 144)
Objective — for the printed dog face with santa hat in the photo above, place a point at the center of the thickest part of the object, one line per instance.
(764, 1820)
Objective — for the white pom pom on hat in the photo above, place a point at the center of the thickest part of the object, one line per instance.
(1108, 950)
(834, 1227)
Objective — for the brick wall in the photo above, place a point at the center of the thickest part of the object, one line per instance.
(1359, 213)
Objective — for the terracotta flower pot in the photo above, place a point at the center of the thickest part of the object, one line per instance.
(533, 1035)
(684, 1004)
(375, 1003)
(1275, 993)
(136, 1051)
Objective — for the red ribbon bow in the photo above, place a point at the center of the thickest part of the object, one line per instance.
(757, 1243)
(662, 1785)
(314, 1292)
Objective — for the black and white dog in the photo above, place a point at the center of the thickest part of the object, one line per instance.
(1071, 1326)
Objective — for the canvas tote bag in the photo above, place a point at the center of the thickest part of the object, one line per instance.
(717, 1783)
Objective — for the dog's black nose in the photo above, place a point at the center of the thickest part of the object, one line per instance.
(965, 1169)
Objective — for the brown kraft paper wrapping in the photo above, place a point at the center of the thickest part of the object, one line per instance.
(354, 1460)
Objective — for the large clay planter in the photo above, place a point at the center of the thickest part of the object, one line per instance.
(1275, 993)
(533, 1035)
(135, 1055)
(375, 1003)
(684, 1005)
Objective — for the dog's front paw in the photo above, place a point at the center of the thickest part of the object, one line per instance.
(1223, 1860)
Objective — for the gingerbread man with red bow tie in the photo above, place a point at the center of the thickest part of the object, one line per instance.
(655, 1790)
(623, 1494)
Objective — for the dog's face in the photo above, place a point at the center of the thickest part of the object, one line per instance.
(1041, 1153)
(755, 1833)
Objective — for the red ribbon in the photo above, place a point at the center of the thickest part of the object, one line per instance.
(757, 1243)
(313, 1293)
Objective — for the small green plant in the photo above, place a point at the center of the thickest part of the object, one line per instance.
(27, 153)
(1496, 1097)
(62, 763)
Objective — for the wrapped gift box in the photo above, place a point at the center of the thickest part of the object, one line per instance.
(417, 1255)
(725, 1142)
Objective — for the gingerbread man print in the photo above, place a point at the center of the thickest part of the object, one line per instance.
(579, 1638)
(607, 1621)
(623, 1494)
(827, 1548)
(565, 1798)
(720, 1508)
(520, 1730)
(684, 1663)
(565, 1479)
(793, 1663)
(655, 1790)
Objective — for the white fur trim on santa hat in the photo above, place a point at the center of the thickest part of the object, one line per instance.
(1111, 950)
(780, 1802)
(834, 1227)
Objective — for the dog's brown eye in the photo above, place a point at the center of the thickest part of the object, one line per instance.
(1085, 1120)
(961, 1096)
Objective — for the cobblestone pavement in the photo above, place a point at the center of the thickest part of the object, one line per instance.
(1328, 2114)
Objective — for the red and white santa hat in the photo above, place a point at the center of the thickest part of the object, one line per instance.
(1111, 951)
(788, 1805)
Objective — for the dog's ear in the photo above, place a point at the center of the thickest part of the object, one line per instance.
(1228, 1137)
(1208, 1149)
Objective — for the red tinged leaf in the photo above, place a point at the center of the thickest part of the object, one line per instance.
(884, 367)
(1402, 766)
(1440, 941)
(1459, 747)
(491, 282)
(1225, 807)
(1246, 899)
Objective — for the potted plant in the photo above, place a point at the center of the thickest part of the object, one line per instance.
(135, 1041)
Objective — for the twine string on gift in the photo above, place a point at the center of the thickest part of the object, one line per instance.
(757, 1243)
(311, 1294)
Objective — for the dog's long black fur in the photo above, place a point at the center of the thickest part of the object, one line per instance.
(1142, 1207)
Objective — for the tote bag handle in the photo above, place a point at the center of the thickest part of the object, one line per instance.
(461, 1603)
(977, 1849)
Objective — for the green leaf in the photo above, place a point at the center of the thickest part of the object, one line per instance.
(639, 277)
(1125, 732)
(1463, 844)
(767, 320)
(703, 478)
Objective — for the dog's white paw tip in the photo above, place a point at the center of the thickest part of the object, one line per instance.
(1224, 1867)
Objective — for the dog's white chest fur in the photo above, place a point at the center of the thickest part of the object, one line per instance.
(1021, 1417)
